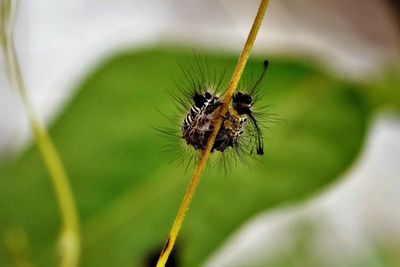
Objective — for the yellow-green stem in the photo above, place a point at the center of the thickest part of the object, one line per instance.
(201, 164)
(69, 236)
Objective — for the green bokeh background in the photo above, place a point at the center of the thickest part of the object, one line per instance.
(128, 192)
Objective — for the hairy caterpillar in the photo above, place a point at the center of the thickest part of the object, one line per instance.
(198, 101)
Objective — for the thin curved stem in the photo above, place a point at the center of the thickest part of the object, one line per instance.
(69, 236)
(202, 162)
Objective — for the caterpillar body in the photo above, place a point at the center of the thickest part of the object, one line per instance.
(199, 100)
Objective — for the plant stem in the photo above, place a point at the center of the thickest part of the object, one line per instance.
(69, 236)
(201, 164)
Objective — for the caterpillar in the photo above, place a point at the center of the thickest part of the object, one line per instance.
(198, 100)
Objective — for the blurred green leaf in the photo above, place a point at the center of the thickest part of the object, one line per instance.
(127, 191)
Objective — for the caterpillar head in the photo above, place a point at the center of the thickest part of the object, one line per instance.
(242, 102)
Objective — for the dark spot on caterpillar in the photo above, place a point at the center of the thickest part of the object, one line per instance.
(199, 100)
(207, 95)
